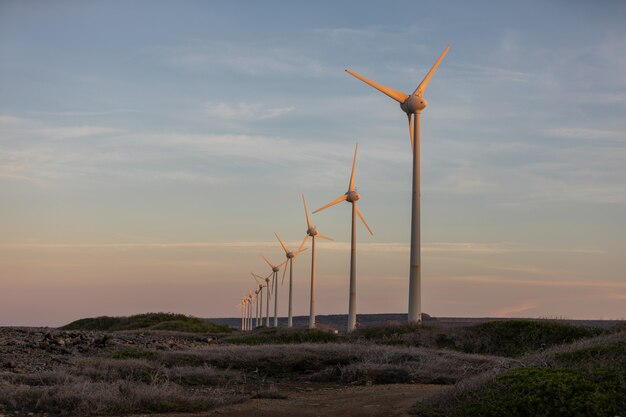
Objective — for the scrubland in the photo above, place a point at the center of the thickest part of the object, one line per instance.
(109, 367)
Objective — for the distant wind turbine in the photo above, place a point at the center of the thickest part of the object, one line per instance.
(267, 298)
(312, 232)
(259, 294)
(351, 197)
(275, 269)
(291, 256)
(412, 104)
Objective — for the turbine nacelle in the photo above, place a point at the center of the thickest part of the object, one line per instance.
(413, 104)
(290, 255)
(352, 196)
(275, 269)
(311, 231)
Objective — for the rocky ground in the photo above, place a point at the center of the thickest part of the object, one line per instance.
(30, 349)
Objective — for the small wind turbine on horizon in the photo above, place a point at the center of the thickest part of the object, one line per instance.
(352, 196)
(412, 105)
(312, 232)
(291, 256)
(259, 294)
(275, 269)
(267, 298)
(249, 321)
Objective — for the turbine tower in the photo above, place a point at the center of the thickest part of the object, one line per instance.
(312, 232)
(291, 256)
(275, 269)
(412, 105)
(351, 197)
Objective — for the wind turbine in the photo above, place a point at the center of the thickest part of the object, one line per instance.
(250, 298)
(351, 197)
(290, 258)
(275, 269)
(241, 304)
(412, 104)
(267, 299)
(312, 232)
(259, 302)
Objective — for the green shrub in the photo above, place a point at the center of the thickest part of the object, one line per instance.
(515, 337)
(267, 336)
(154, 321)
(539, 393)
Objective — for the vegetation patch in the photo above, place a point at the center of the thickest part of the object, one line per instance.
(266, 336)
(152, 321)
(537, 392)
(134, 353)
(513, 338)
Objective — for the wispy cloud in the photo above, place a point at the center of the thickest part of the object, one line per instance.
(244, 57)
(507, 311)
(244, 111)
(596, 284)
(73, 132)
(586, 133)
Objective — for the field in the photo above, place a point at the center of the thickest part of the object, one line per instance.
(178, 365)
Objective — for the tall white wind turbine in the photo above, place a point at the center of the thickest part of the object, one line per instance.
(351, 197)
(313, 233)
(275, 269)
(412, 105)
(291, 256)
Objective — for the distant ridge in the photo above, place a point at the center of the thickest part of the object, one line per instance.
(339, 321)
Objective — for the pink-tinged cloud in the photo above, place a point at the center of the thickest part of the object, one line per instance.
(507, 311)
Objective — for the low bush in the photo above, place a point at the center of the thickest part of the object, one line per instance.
(99, 398)
(265, 336)
(514, 338)
(539, 393)
(134, 353)
(154, 321)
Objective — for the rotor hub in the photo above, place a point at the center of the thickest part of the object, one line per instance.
(352, 196)
(414, 104)
(311, 231)
(290, 255)
(275, 269)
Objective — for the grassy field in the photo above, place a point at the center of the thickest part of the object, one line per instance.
(512, 368)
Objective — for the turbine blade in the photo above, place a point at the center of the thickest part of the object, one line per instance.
(255, 278)
(422, 87)
(324, 237)
(362, 219)
(283, 280)
(411, 132)
(268, 262)
(306, 211)
(398, 96)
(351, 184)
(302, 244)
(281, 243)
(295, 254)
(332, 203)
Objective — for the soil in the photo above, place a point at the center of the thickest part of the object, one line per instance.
(360, 401)
(369, 401)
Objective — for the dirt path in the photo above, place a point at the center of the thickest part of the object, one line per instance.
(372, 401)
(369, 401)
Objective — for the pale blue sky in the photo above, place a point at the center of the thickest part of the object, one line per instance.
(149, 150)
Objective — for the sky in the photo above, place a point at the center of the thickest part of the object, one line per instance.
(149, 150)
